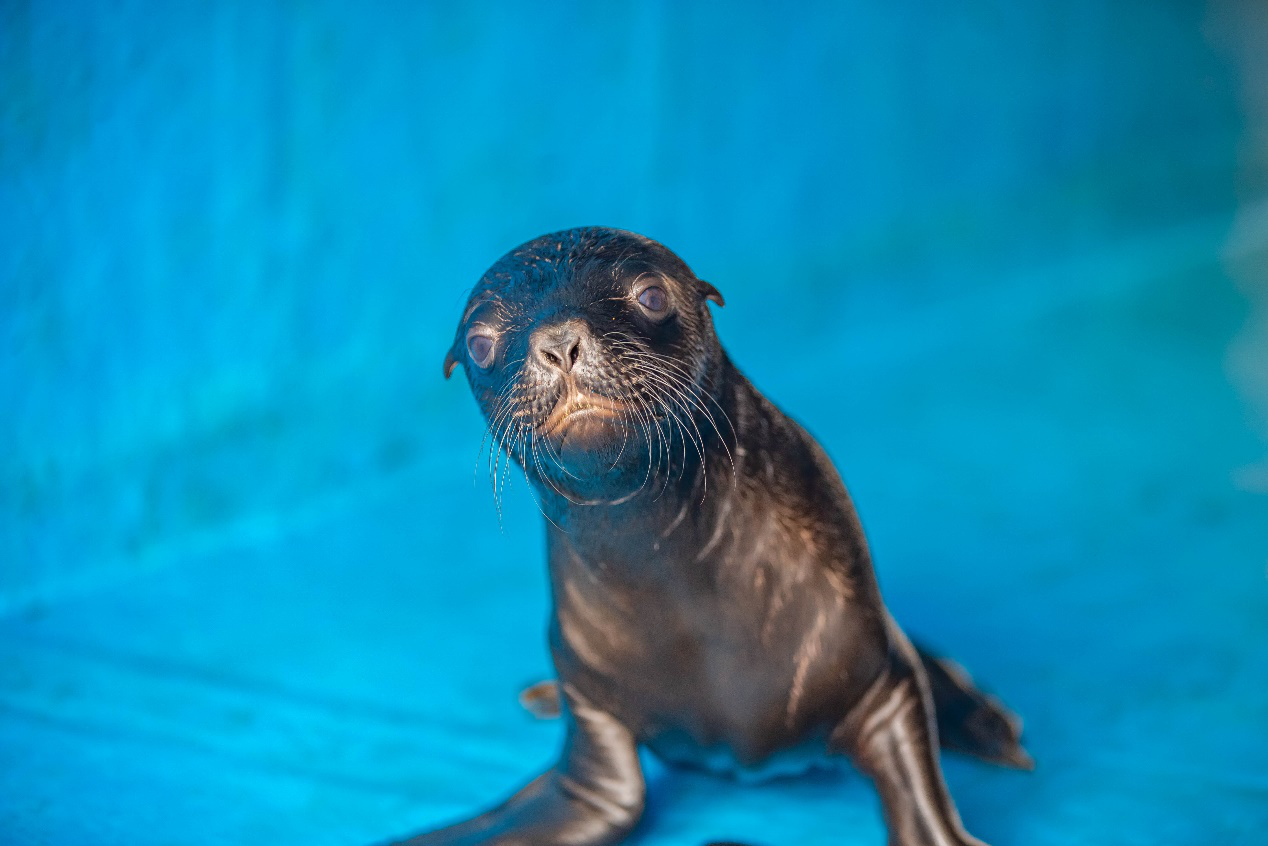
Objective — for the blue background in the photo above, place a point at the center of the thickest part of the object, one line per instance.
(1008, 261)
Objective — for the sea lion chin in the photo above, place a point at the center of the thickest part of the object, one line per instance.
(587, 431)
(590, 440)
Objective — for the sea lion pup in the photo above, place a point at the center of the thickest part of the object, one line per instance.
(713, 595)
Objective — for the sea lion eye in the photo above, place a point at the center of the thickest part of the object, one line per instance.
(480, 346)
(654, 299)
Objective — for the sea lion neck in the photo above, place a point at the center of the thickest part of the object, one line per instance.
(651, 515)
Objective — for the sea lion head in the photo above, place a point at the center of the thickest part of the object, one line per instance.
(591, 354)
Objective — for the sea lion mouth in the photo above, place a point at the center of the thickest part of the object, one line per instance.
(575, 406)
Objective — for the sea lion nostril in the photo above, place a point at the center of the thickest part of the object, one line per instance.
(559, 347)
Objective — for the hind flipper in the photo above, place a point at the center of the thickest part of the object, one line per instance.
(971, 721)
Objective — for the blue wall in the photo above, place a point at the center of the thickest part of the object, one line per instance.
(236, 235)
(248, 591)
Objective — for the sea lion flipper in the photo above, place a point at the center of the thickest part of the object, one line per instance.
(888, 734)
(971, 721)
(541, 699)
(593, 795)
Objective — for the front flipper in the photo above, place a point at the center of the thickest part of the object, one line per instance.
(592, 797)
(892, 737)
(542, 700)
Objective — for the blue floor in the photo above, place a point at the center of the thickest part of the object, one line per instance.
(1063, 488)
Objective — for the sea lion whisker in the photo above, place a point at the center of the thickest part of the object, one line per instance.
(508, 428)
(628, 417)
(525, 448)
(673, 405)
(672, 381)
(495, 455)
(503, 404)
(672, 370)
(668, 404)
(691, 395)
(674, 397)
(503, 422)
(695, 392)
(511, 434)
(663, 392)
(645, 421)
(689, 377)
(498, 403)
(684, 396)
(499, 484)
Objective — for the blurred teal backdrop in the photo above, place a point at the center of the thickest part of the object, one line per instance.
(248, 591)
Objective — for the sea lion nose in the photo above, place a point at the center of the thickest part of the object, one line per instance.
(557, 346)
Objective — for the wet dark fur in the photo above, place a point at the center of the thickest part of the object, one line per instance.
(714, 598)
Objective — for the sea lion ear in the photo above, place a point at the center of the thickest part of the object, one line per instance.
(450, 363)
(711, 293)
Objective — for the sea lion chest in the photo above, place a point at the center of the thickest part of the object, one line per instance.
(732, 651)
